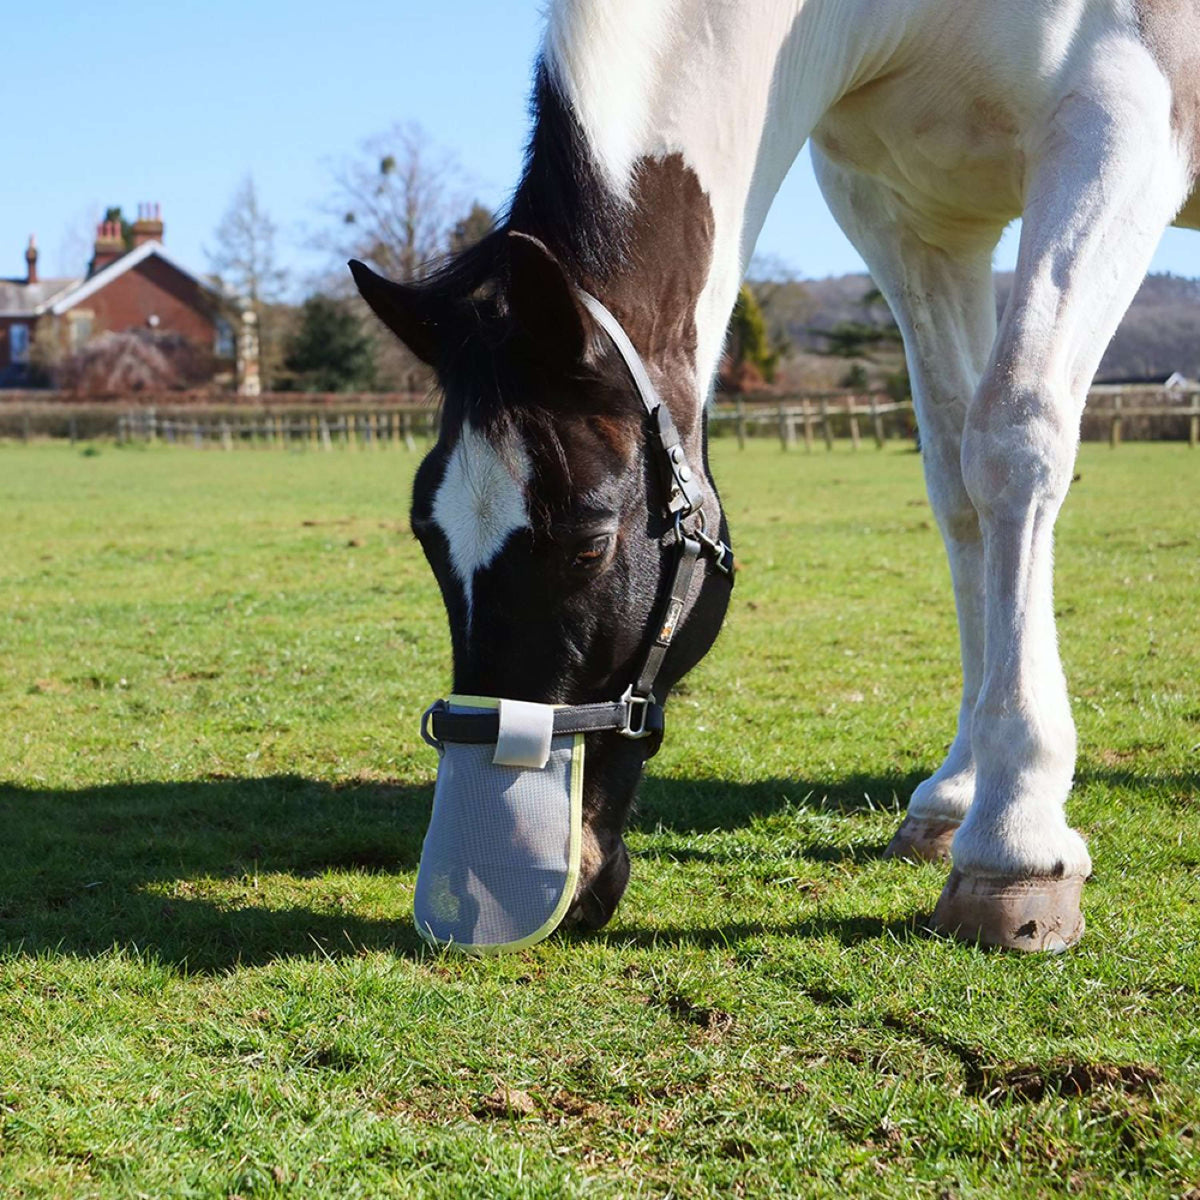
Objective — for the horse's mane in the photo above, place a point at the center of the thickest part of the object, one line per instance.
(561, 199)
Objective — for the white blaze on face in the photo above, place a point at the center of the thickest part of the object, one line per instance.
(481, 501)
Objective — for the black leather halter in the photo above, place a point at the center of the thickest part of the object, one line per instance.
(638, 713)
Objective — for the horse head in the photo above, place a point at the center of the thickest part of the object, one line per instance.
(555, 515)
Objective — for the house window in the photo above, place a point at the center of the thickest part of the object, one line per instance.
(81, 330)
(225, 346)
(18, 343)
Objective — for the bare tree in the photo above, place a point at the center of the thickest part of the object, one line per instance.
(245, 265)
(75, 245)
(397, 201)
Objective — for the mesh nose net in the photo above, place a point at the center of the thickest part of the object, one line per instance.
(500, 862)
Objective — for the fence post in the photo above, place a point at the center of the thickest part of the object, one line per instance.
(826, 428)
(783, 438)
(740, 423)
(853, 414)
(197, 436)
(1194, 425)
(1114, 430)
(876, 422)
(806, 410)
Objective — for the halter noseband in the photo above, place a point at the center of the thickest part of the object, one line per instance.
(638, 713)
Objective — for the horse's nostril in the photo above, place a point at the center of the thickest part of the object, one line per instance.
(589, 912)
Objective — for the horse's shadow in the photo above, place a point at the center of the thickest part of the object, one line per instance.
(202, 874)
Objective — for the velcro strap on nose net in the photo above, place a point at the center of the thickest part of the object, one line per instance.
(523, 739)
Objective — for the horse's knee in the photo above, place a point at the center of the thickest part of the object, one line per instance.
(1018, 448)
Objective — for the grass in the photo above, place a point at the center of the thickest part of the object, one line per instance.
(211, 667)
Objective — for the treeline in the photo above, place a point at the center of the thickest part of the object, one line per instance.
(400, 203)
(839, 331)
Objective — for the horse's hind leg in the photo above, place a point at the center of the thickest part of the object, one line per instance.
(1105, 184)
(945, 306)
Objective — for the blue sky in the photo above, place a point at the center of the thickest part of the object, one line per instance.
(175, 101)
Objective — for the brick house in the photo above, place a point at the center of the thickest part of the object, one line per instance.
(125, 288)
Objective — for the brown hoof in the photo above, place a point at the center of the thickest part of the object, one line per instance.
(922, 841)
(1018, 914)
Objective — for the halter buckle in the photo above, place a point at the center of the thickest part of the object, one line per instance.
(637, 709)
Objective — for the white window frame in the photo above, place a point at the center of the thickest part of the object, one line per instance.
(76, 320)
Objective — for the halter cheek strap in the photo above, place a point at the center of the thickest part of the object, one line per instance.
(638, 713)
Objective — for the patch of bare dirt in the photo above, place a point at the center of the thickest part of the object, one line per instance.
(505, 1104)
(1029, 1084)
(713, 1020)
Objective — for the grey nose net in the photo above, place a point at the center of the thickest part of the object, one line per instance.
(500, 862)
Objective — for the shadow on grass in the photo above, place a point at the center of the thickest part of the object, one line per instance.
(203, 874)
(701, 805)
(190, 871)
(849, 931)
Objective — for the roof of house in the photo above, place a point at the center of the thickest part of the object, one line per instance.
(21, 299)
(57, 296)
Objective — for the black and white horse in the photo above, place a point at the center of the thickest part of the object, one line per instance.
(663, 130)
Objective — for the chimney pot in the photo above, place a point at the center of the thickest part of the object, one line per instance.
(31, 258)
(149, 226)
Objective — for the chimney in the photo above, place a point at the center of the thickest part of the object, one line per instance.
(31, 275)
(149, 225)
(110, 245)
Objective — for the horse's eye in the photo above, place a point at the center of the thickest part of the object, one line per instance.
(591, 553)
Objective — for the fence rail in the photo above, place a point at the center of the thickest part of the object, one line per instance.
(809, 419)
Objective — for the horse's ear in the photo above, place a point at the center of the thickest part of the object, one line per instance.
(419, 317)
(543, 302)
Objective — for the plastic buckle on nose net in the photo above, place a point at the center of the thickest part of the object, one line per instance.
(426, 716)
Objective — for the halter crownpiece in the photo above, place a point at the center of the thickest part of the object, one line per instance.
(501, 857)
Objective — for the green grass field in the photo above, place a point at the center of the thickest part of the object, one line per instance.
(211, 669)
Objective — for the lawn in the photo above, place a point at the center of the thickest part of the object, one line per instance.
(213, 798)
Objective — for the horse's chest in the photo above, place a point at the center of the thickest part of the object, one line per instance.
(945, 147)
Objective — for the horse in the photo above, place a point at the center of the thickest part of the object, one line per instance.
(549, 508)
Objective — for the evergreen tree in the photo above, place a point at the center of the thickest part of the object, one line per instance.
(329, 351)
(475, 226)
(749, 342)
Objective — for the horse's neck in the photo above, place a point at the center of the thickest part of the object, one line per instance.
(693, 111)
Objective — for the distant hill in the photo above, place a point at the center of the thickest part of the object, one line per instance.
(1160, 333)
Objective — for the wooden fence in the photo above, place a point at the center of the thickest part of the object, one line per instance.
(808, 419)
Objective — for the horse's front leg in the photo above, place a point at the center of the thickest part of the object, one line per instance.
(944, 303)
(1106, 184)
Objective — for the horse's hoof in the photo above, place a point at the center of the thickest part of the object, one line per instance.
(1040, 913)
(918, 840)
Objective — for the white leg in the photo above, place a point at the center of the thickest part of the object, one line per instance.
(1106, 183)
(943, 301)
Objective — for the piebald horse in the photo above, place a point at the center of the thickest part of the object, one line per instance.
(662, 131)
